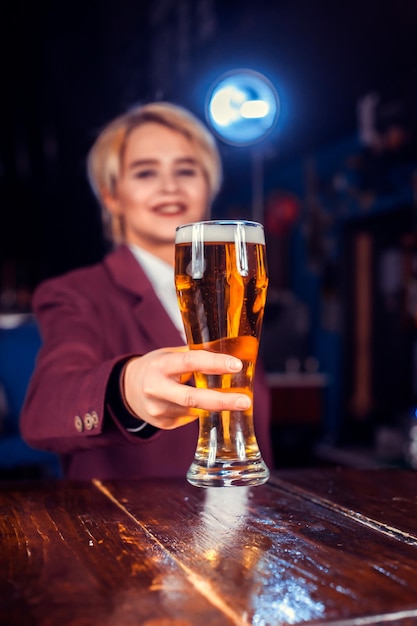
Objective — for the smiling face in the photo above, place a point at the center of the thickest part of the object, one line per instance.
(161, 185)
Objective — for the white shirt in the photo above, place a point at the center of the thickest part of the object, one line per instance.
(161, 275)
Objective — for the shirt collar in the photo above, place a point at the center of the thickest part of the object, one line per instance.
(159, 272)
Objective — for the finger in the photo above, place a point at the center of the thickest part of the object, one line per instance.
(187, 398)
(176, 363)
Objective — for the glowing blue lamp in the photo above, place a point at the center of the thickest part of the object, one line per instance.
(242, 107)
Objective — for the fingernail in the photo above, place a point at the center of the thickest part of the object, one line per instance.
(234, 364)
(243, 402)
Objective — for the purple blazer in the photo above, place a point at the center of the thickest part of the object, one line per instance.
(90, 319)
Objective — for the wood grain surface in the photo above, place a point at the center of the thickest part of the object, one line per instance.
(319, 546)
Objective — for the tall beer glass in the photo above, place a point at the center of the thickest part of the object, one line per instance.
(221, 280)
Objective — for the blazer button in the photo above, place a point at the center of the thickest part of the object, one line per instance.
(78, 423)
(95, 418)
(88, 421)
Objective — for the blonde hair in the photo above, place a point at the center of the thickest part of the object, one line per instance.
(105, 157)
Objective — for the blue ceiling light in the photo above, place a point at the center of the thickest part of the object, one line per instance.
(242, 107)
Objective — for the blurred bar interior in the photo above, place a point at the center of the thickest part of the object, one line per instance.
(334, 182)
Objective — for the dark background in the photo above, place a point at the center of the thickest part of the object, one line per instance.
(340, 216)
(68, 67)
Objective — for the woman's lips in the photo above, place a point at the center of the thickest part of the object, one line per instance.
(169, 209)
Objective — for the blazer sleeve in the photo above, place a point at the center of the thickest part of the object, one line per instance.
(65, 408)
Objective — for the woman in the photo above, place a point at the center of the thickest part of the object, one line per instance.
(109, 394)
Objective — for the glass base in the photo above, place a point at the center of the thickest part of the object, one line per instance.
(228, 474)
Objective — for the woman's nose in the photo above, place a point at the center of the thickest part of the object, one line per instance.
(169, 182)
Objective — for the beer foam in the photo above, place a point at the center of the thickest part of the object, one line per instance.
(221, 230)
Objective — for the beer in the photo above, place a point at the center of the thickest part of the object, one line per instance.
(221, 281)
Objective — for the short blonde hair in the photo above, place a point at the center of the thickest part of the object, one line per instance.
(105, 157)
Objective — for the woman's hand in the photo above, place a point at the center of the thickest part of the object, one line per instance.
(154, 389)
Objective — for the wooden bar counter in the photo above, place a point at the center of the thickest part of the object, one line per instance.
(312, 546)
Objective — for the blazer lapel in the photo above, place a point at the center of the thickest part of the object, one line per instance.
(147, 309)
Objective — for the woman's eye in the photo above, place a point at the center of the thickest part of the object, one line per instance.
(186, 171)
(144, 173)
